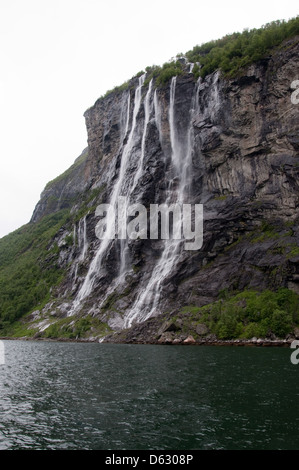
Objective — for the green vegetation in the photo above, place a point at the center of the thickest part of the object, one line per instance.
(19, 330)
(69, 171)
(228, 54)
(222, 197)
(163, 74)
(294, 251)
(267, 231)
(74, 328)
(249, 314)
(88, 202)
(28, 267)
(118, 89)
(237, 50)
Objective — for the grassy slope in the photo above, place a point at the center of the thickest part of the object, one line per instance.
(28, 267)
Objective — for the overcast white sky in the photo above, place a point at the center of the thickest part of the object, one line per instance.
(58, 56)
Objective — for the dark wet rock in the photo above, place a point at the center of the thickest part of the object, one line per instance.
(245, 169)
(201, 329)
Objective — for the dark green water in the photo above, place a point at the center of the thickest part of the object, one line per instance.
(101, 396)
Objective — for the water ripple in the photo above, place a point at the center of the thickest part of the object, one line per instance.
(99, 396)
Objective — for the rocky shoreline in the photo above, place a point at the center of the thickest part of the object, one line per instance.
(189, 341)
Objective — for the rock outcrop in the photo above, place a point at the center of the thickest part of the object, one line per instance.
(228, 144)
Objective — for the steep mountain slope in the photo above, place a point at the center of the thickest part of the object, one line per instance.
(229, 143)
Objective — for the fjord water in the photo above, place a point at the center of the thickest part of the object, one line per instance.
(104, 396)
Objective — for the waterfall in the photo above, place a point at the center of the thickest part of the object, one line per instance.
(125, 181)
(75, 266)
(210, 104)
(82, 238)
(147, 111)
(157, 114)
(127, 117)
(119, 185)
(124, 249)
(147, 301)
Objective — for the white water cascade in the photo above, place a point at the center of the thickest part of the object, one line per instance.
(147, 110)
(124, 249)
(96, 263)
(125, 176)
(80, 236)
(181, 158)
(157, 111)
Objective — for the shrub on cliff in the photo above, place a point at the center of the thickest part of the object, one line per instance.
(237, 50)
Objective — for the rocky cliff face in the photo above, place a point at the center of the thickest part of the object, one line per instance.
(229, 144)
